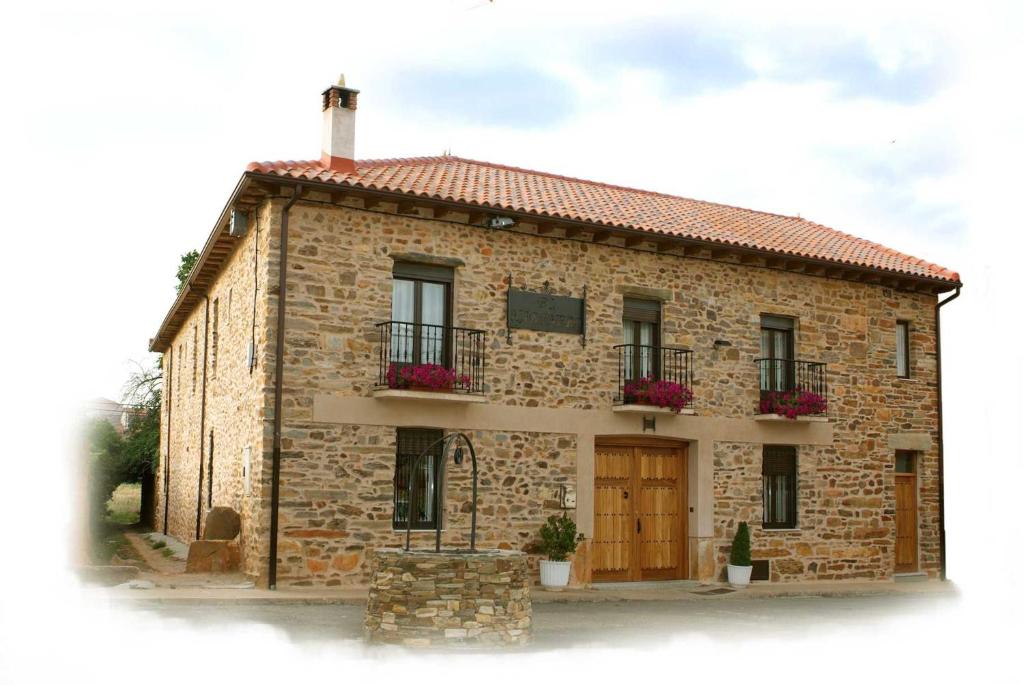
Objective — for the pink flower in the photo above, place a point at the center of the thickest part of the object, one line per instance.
(793, 403)
(658, 393)
(430, 376)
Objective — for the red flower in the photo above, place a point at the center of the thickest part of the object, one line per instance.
(430, 376)
(793, 403)
(674, 396)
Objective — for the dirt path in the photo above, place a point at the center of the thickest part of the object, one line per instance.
(170, 572)
(154, 558)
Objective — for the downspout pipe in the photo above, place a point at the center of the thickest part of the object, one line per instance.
(275, 478)
(942, 468)
(169, 395)
(202, 415)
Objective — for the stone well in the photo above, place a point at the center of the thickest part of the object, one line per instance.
(422, 598)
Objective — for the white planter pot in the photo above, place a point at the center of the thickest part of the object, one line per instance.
(554, 573)
(739, 576)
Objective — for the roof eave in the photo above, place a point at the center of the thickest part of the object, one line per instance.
(938, 283)
(190, 292)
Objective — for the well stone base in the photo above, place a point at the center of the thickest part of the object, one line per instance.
(429, 598)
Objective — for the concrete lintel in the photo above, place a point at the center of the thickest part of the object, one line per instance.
(917, 442)
(421, 258)
(393, 394)
(648, 293)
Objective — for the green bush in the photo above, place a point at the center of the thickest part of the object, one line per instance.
(740, 554)
(558, 538)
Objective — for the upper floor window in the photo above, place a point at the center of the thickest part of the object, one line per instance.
(421, 305)
(641, 331)
(425, 504)
(777, 353)
(778, 478)
(903, 349)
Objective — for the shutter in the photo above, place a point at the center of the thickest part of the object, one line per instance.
(778, 460)
(782, 323)
(424, 272)
(641, 310)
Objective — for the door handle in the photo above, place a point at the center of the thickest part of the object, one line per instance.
(638, 525)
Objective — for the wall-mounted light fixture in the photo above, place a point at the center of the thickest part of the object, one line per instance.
(500, 222)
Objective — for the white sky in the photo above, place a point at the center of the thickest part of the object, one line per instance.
(124, 130)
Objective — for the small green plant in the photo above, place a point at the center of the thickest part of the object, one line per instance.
(558, 538)
(158, 544)
(167, 552)
(740, 554)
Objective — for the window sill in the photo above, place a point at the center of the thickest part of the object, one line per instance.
(799, 419)
(457, 397)
(648, 409)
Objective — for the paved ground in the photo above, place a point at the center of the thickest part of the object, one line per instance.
(606, 623)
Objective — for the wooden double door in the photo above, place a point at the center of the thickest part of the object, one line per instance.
(639, 510)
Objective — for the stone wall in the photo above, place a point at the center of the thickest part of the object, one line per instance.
(337, 477)
(340, 286)
(235, 402)
(337, 497)
(423, 599)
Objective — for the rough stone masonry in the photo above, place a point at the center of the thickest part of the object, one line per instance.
(428, 598)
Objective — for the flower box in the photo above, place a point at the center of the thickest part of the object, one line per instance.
(793, 404)
(655, 393)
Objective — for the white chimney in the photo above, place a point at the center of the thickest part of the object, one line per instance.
(338, 146)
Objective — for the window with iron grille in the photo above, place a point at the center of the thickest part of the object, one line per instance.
(778, 473)
(425, 504)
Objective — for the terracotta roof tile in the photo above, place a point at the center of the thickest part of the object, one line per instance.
(512, 189)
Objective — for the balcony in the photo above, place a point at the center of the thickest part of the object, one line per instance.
(430, 362)
(654, 379)
(792, 389)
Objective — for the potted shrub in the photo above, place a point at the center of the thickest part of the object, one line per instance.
(647, 390)
(739, 558)
(793, 404)
(433, 377)
(558, 540)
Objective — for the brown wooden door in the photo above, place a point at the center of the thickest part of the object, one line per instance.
(906, 522)
(639, 511)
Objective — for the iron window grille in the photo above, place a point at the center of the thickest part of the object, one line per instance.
(426, 498)
(778, 474)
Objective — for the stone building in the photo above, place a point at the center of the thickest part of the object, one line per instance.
(551, 319)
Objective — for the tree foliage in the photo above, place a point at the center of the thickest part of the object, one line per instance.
(188, 262)
(740, 553)
(116, 458)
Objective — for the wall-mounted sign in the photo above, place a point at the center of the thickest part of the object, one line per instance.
(547, 312)
(544, 312)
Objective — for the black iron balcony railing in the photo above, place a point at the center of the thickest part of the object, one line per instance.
(430, 357)
(794, 377)
(639, 364)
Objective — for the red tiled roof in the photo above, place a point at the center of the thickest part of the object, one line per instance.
(508, 188)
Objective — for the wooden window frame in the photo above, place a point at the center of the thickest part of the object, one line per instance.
(405, 435)
(770, 468)
(419, 274)
(637, 311)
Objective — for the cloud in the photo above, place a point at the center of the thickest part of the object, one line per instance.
(506, 96)
(690, 60)
(857, 72)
